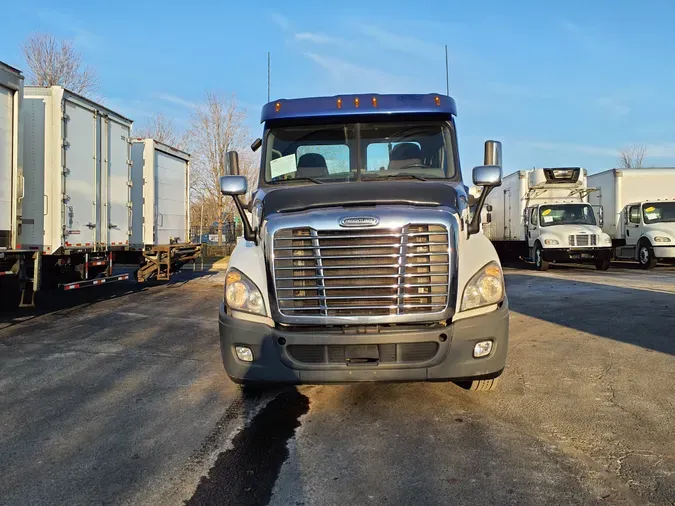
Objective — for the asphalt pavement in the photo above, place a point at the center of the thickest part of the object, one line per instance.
(121, 399)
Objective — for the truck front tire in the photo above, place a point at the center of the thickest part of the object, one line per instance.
(602, 264)
(539, 262)
(483, 385)
(646, 255)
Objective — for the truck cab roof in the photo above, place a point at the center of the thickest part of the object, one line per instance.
(366, 104)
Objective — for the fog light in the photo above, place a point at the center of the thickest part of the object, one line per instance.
(482, 349)
(244, 353)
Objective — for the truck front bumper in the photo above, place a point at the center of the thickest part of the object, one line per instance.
(419, 354)
(666, 252)
(576, 254)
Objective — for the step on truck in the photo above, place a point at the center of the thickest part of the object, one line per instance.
(360, 261)
(639, 207)
(543, 216)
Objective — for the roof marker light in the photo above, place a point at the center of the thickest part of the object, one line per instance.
(374, 101)
(277, 106)
(339, 103)
(438, 100)
(357, 102)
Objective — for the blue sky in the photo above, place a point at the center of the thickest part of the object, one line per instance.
(560, 85)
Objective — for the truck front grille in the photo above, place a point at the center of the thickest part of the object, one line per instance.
(583, 240)
(401, 353)
(362, 272)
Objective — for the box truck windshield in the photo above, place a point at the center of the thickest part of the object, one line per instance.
(659, 212)
(566, 214)
(360, 151)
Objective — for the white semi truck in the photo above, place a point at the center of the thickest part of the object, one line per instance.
(639, 207)
(361, 261)
(544, 215)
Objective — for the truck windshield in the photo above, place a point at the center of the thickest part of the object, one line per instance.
(566, 214)
(359, 151)
(659, 212)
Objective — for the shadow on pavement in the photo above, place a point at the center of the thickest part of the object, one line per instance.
(597, 309)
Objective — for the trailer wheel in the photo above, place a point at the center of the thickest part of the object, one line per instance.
(602, 264)
(539, 262)
(479, 385)
(646, 255)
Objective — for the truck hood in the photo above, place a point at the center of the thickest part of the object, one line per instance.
(660, 230)
(565, 230)
(415, 193)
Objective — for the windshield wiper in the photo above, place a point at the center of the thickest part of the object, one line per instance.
(391, 176)
(277, 181)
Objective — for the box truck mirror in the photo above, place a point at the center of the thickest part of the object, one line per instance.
(601, 216)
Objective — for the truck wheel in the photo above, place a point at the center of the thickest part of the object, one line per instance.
(602, 264)
(539, 262)
(646, 255)
(479, 385)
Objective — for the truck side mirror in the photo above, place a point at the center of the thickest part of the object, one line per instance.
(488, 218)
(232, 163)
(601, 216)
(493, 153)
(487, 175)
(233, 185)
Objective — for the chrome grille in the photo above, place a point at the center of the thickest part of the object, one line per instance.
(362, 272)
(583, 240)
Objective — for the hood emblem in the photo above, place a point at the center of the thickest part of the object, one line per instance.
(359, 221)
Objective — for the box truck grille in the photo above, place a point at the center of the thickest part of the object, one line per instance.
(362, 272)
(583, 240)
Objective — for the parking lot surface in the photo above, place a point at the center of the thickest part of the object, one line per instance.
(123, 400)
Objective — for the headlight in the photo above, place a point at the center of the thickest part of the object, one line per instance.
(606, 239)
(241, 293)
(484, 288)
(660, 238)
(551, 241)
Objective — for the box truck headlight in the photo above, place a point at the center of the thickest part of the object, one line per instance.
(242, 294)
(486, 287)
(661, 238)
(551, 242)
(606, 239)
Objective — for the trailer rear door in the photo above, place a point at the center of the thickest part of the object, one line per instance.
(118, 188)
(170, 201)
(81, 165)
(6, 159)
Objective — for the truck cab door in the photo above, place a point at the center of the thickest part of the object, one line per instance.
(532, 231)
(633, 225)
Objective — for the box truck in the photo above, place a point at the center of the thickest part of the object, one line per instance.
(639, 207)
(543, 215)
(361, 260)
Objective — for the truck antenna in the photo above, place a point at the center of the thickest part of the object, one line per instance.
(268, 75)
(447, 72)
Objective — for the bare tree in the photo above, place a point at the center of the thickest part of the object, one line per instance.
(632, 157)
(163, 129)
(52, 62)
(218, 126)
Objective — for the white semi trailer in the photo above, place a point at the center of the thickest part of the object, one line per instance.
(544, 215)
(640, 208)
(71, 213)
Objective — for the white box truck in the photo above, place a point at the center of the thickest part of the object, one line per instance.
(544, 215)
(639, 207)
